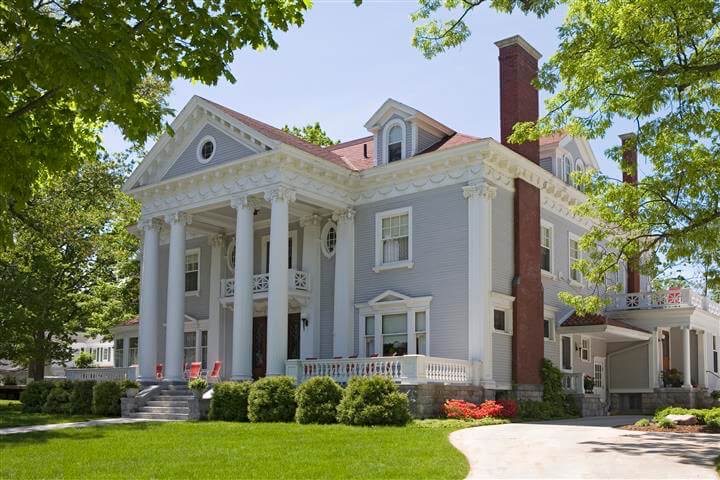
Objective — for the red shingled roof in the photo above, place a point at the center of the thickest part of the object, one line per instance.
(550, 139)
(576, 320)
(354, 152)
(132, 321)
(454, 140)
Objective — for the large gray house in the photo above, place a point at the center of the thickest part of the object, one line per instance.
(419, 252)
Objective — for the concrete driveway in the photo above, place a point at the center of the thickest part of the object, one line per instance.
(585, 448)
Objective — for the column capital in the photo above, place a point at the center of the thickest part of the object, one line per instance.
(216, 240)
(310, 221)
(244, 201)
(179, 218)
(344, 215)
(150, 224)
(280, 194)
(480, 190)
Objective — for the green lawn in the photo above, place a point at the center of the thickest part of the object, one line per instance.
(235, 450)
(11, 415)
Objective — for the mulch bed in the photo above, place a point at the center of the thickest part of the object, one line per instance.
(676, 429)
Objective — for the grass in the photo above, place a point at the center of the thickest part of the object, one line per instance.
(11, 415)
(247, 450)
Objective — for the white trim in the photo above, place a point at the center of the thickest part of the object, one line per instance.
(192, 251)
(549, 315)
(575, 238)
(379, 216)
(403, 139)
(198, 149)
(503, 303)
(562, 367)
(584, 338)
(228, 251)
(292, 234)
(551, 227)
(323, 238)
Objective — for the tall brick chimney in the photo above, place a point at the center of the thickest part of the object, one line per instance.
(518, 103)
(630, 176)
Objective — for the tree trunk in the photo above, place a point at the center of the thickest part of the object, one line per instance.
(36, 369)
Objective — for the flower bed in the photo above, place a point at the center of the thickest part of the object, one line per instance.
(463, 410)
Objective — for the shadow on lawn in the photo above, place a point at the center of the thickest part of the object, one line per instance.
(690, 449)
(82, 434)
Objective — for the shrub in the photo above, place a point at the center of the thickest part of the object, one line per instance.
(702, 414)
(317, 400)
(35, 395)
(510, 408)
(272, 399)
(128, 384)
(230, 401)
(665, 423)
(198, 385)
(81, 397)
(544, 410)
(58, 400)
(373, 401)
(672, 378)
(488, 409)
(552, 382)
(715, 394)
(83, 360)
(643, 422)
(106, 399)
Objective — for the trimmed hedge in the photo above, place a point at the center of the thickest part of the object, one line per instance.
(106, 399)
(58, 400)
(272, 399)
(35, 395)
(373, 401)
(230, 401)
(317, 400)
(81, 397)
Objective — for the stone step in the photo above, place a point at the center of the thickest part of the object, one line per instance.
(167, 403)
(154, 409)
(176, 392)
(174, 398)
(160, 416)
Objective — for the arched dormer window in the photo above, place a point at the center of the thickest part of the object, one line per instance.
(579, 166)
(395, 141)
(567, 170)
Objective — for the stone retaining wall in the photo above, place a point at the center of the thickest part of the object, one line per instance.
(426, 400)
(648, 402)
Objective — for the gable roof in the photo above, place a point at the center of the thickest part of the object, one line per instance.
(391, 106)
(575, 320)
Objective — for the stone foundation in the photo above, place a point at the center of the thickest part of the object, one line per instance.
(426, 400)
(589, 405)
(524, 392)
(647, 403)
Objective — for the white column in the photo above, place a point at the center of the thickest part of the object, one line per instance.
(277, 312)
(310, 335)
(214, 308)
(480, 309)
(687, 382)
(654, 360)
(241, 368)
(344, 308)
(701, 351)
(175, 298)
(149, 305)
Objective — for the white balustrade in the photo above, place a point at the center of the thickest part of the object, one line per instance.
(297, 280)
(664, 299)
(573, 382)
(407, 369)
(101, 374)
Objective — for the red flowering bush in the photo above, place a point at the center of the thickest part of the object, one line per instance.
(463, 410)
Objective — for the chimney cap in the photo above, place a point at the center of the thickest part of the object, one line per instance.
(627, 136)
(518, 40)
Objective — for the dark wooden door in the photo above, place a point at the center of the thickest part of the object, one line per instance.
(293, 350)
(259, 348)
(665, 351)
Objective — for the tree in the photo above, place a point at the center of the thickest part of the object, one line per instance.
(657, 63)
(71, 265)
(68, 67)
(312, 133)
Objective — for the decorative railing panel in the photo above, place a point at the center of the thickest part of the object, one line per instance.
(664, 299)
(297, 280)
(101, 373)
(573, 382)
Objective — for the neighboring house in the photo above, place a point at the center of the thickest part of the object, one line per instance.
(101, 350)
(417, 252)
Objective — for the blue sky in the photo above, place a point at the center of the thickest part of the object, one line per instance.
(345, 61)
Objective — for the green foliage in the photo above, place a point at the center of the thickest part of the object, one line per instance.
(643, 422)
(72, 265)
(665, 423)
(58, 400)
(272, 399)
(317, 400)
(127, 384)
(552, 382)
(715, 394)
(12, 380)
(555, 404)
(198, 385)
(106, 399)
(230, 401)
(544, 410)
(373, 401)
(83, 360)
(35, 395)
(704, 415)
(64, 78)
(81, 397)
(312, 133)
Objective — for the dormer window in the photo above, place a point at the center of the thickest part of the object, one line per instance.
(567, 170)
(395, 141)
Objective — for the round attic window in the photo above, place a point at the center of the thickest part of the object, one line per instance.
(329, 239)
(206, 149)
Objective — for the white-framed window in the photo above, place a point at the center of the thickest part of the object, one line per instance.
(132, 351)
(189, 347)
(502, 312)
(546, 246)
(292, 251)
(566, 353)
(573, 256)
(119, 352)
(499, 320)
(585, 349)
(206, 149)
(393, 239)
(394, 140)
(328, 239)
(715, 349)
(598, 374)
(579, 167)
(192, 271)
(395, 324)
(567, 169)
(548, 329)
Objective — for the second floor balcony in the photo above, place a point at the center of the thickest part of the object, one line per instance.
(663, 299)
(298, 282)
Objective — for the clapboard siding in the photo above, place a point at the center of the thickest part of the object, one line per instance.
(502, 358)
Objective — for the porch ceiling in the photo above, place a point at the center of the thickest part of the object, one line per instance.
(608, 333)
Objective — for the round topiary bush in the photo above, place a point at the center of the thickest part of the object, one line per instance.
(373, 401)
(317, 400)
(35, 395)
(58, 400)
(106, 399)
(230, 401)
(272, 399)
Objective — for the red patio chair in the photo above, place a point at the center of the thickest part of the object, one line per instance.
(215, 372)
(194, 371)
(159, 371)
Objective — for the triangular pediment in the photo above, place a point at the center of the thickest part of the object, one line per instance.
(388, 296)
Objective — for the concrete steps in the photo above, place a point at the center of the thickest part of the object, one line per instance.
(172, 403)
(160, 416)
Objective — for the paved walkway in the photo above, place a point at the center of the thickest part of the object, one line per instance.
(89, 423)
(585, 448)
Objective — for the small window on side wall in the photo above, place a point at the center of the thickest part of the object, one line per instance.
(548, 329)
(566, 353)
(499, 320)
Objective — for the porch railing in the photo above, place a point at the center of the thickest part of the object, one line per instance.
(573, 383)
(407, 369)
(101, 374)
(664, 299)
(297, 280)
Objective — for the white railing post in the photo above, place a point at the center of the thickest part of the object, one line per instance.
(293, 368)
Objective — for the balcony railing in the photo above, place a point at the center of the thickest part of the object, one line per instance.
(408, 369)
(101, 374)
(665, 299)
(297, 280)
(573, 383)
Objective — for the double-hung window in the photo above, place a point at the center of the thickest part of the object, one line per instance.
(585, 349)
(394, 334)
(119, 352)
(370, 336)
(133, 351)
(548, 328)
(573, 256)
(546, 246)
(189, 347)
(421, 333)
(393, 239)
(566, 352)
(192, 271)
(394, 148)
(715, 349)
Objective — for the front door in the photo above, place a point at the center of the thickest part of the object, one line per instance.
(599, 377)
(259, 349)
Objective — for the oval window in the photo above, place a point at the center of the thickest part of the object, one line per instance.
(329, 239)
(206, 149)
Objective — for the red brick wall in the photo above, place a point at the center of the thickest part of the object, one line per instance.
(630, 163)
